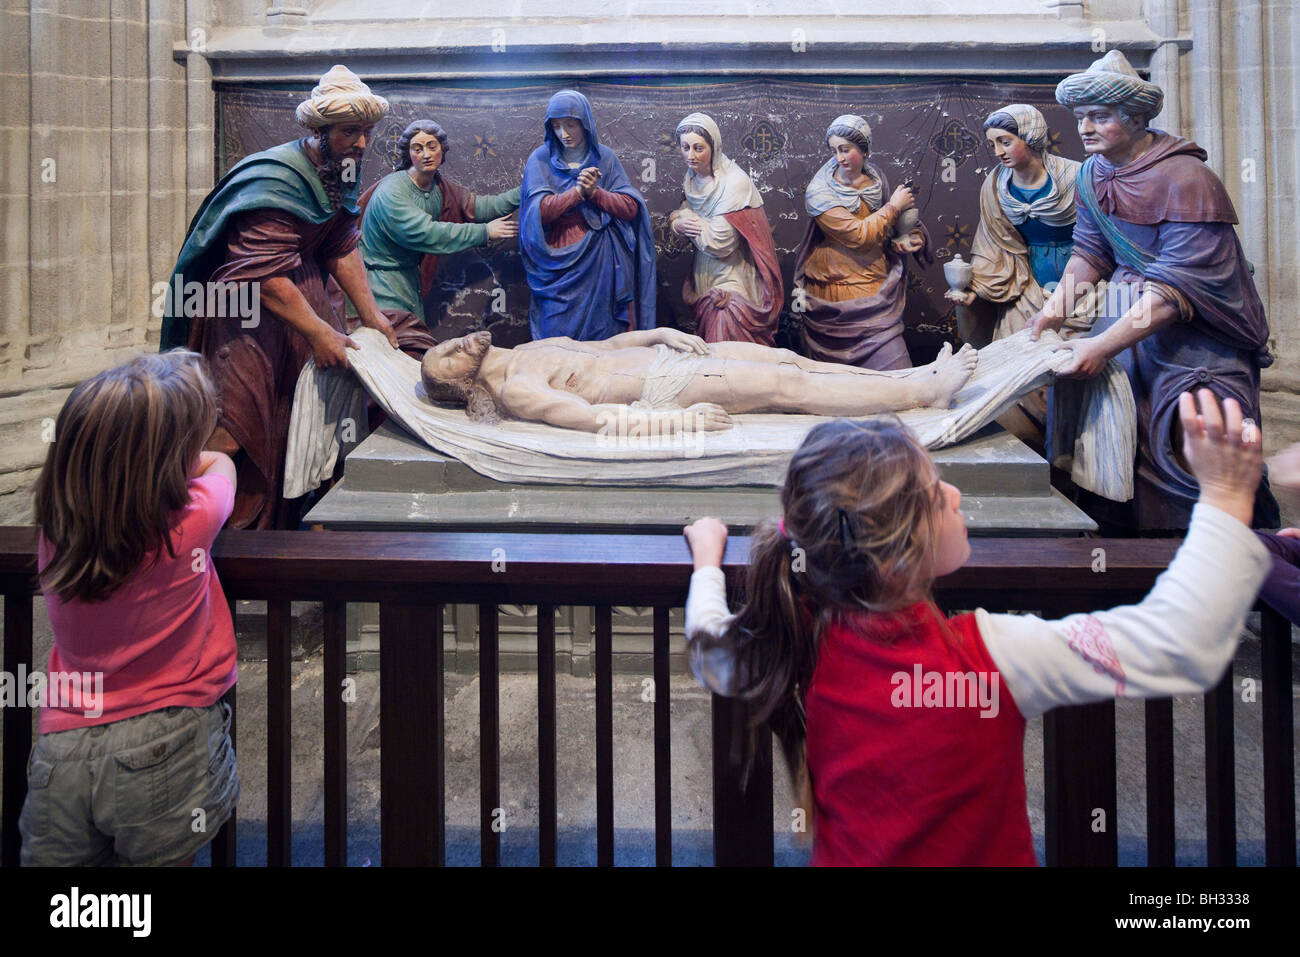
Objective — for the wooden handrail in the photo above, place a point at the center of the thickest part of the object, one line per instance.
(1046, 574)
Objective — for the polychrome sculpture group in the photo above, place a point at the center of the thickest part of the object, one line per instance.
(1144, 221)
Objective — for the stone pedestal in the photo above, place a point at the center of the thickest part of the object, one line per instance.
(394, 482)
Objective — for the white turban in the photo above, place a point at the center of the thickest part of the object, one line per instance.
(340, 97)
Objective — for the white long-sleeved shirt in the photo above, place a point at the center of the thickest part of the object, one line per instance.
(1177, 640)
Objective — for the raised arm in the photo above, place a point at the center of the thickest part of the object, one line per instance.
(711, 647)
(1180, 638)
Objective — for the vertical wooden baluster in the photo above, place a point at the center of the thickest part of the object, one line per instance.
(742, 815)
(1079, 782)
(412, 798)
(663, 744)
(17, 724)
(1220, 776)
(1279, 740)
(1160, 782)
(336, 735)
(279, 737)
(604, 737)
(546, 752)
(489, 736)
(224, 845)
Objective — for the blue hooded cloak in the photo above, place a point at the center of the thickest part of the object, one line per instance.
(583, 291)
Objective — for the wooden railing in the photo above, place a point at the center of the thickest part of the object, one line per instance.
(413, 575)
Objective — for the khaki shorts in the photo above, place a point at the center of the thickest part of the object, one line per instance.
(147, 790)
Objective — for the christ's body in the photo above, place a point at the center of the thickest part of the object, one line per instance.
(577, 385)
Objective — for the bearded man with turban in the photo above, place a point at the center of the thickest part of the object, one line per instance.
(1180, 310)
(286, 220)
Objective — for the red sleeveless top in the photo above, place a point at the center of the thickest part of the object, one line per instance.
(915, 746)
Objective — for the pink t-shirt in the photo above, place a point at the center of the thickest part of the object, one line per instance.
(163, 639)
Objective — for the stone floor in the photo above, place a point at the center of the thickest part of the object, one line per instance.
(634, 763)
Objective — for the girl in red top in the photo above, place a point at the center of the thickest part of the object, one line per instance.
(134, 763)
(904, 729)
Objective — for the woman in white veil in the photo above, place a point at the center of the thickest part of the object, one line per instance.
(735, 288)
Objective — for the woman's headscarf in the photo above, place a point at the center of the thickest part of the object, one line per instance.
(729, 189)
(826, 192)
(571, 104)
(1056, 208)
(853, 128)
(1031, 126)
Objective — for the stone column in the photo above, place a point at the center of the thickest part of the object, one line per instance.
(200, 104)
(168, 210)
(16, 183)
(1162, 17)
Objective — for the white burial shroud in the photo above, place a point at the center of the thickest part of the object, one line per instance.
(754, 452)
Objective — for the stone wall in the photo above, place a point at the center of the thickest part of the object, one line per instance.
(107, 139)
(92, 175)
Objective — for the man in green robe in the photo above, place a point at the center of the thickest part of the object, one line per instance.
(249, 288)
(415, 214)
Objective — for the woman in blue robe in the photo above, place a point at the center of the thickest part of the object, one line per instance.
(584, 233)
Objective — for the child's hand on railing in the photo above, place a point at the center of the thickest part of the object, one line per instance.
(707, 539)
(1224, 452)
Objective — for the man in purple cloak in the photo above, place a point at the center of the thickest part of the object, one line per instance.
(1181, 310)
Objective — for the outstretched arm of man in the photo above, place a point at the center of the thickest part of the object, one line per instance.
(1149, 314)
(287, 303)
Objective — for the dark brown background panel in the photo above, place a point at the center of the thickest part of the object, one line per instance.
(931, 131)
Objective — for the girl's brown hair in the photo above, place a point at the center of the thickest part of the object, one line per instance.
(860, 502)
(125, 444)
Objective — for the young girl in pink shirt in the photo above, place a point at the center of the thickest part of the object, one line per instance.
(134, 763)
(904, 730)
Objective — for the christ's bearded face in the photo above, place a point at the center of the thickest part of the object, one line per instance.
(457, 360)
